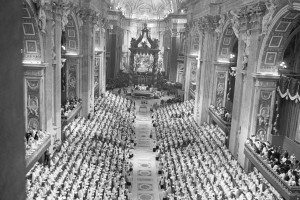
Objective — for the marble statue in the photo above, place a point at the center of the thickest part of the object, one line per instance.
(133, 43)
(64, 20)
(246, 38)
(219, 28)
(266, 21)
(235, 20)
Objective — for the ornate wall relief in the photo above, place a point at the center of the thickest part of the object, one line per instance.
(193, 79)
(72, 81)
(33, 103)
(96, 76)
(221, 78)
(263, 118)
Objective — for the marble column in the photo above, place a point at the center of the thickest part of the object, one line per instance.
(88, 62)
(204, 88)
(187, 70)
(12, 149)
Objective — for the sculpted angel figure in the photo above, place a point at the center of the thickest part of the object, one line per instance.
(64, 20)
(235, 20)
(41, 14)
(266, 21)
(219, 29)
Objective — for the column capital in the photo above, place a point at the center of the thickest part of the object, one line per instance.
(88, 15)
(247, 17)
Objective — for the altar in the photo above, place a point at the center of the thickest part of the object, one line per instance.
(143, 59)
(142, 94)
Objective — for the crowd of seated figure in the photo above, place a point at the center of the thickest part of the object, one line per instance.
(94, 161)
(285, 165)
(33, 139)
(176, 110)
(194, 162)
(222, 112)
(69, 106)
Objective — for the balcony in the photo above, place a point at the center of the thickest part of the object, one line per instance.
(224, 125)
(33, 157)
(287, 191)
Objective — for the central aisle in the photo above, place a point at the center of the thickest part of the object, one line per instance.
(145, 181)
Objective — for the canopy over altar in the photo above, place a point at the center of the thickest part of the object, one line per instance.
(144, 59)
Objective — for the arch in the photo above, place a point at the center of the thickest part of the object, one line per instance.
(274, 42)
(72, 35)
(32, 42)
(226, 42)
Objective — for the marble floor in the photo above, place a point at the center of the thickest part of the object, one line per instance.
(145, 181)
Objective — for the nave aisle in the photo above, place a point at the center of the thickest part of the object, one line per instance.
(145, 180)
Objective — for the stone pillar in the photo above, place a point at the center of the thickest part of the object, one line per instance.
(206, 72)
(12, 149)
(198, 91)
(187, 71)
(243, 105)
(155, 65)
(49, 73)
(88, 61)
(56, 67)
(175, 44)
(102, 73)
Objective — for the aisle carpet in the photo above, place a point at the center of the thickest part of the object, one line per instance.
(145, 181)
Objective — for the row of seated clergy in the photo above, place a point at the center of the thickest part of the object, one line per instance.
(94, 161)
(69, 106)
(178, 110)
(286, 166)
(194, 162)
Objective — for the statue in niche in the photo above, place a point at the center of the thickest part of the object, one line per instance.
(266, 21)
(235, 20)
(42, 17)
(219, 29)
(246, 38)
(64, 20)
(133, 43)
(245, 61)
(41, 14)
(155, 44)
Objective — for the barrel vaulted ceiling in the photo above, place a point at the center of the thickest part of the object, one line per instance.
(144, 9)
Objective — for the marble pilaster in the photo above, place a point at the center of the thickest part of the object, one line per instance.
(204, 88)
(187, 71)
(56, 71)
(88, 60)
(175, 44)
(243, 105)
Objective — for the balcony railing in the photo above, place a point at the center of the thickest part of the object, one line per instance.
(224, 125)
(31, 159)
(287, 191)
